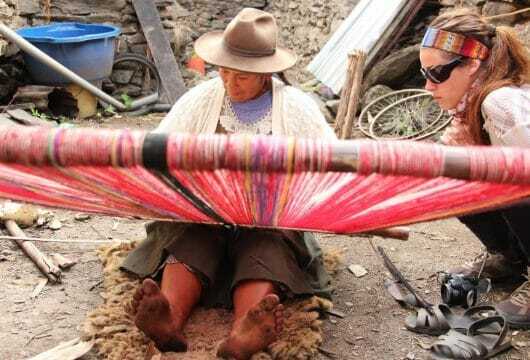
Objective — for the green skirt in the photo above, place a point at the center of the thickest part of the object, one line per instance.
(224, 256)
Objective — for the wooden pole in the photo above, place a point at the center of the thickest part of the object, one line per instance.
(45, 265)
(69, 350)
(344, 98)
(349, 100)
(397, 232)
(358, 60)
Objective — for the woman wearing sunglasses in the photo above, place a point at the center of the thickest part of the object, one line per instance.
(481, 74)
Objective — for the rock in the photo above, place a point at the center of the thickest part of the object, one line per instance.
(493, 8)
(178, 11)
(333, 106)
(122, 46)
(129, 29)
(82, 217)
(139, 49)
(118, 5)
(357, 270)
(373, 93)
(137, 38)
(168, 24)
(523, 32)
(217, 25)
(63, 262)
(55, 224)
(395, 68)
(23, 214)
(461, 2)
(28, 7)
(41, 220)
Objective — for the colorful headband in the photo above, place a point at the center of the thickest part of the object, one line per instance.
(455, 43)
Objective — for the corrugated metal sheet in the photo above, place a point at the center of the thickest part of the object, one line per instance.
(359, 31)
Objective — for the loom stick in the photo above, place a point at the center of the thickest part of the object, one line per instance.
(69, 350)
(350, 95)
(64, 241)
(399, 277)
(397, 232)
(45, 265)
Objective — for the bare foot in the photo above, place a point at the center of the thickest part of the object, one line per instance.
(254, 332)
(154, 317)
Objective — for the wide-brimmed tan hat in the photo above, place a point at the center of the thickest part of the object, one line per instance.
(249, 43)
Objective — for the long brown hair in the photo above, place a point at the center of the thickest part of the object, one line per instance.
(508, 63)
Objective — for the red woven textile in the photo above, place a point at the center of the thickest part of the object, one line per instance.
(342, 187)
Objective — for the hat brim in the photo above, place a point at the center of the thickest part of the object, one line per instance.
(210, 48)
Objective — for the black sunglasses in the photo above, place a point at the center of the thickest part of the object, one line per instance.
(439, 74)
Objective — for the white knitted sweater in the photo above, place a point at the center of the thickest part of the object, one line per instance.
(506, 113)
(294, 113)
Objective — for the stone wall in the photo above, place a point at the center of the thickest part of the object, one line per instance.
(304, 24)
(121, 13)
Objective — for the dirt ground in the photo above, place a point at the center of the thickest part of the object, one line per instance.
(372, 328)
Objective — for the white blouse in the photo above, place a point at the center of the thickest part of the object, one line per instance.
(294, 113)
(506, 113)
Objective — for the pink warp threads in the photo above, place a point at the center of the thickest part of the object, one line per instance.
(312, 155)
(65, 147)
(503, 165)
(24, 145)
(257, 181)
(399, 157)
(96, 147)
(124, 148)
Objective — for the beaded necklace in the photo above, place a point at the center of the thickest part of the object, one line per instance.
(251, 111)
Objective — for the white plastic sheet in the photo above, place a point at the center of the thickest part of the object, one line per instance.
(360, 31)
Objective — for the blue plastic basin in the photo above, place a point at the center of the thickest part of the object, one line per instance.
(86, 49)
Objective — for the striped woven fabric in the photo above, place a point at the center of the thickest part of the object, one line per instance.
(341, 186)
(455, 43)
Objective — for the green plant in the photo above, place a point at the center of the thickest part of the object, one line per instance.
(127, 101)
(110, 110)
(38, 114)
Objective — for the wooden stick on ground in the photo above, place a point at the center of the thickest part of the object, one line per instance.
(65, 241)
(45, 265)
(520, 11)
(351, 92)
(69, 350)
(397, 232)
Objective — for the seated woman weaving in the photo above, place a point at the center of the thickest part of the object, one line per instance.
(482, 73)
(249, 269)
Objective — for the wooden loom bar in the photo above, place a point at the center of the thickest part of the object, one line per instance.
(123, 148)
(45, 265)
(350, 95)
